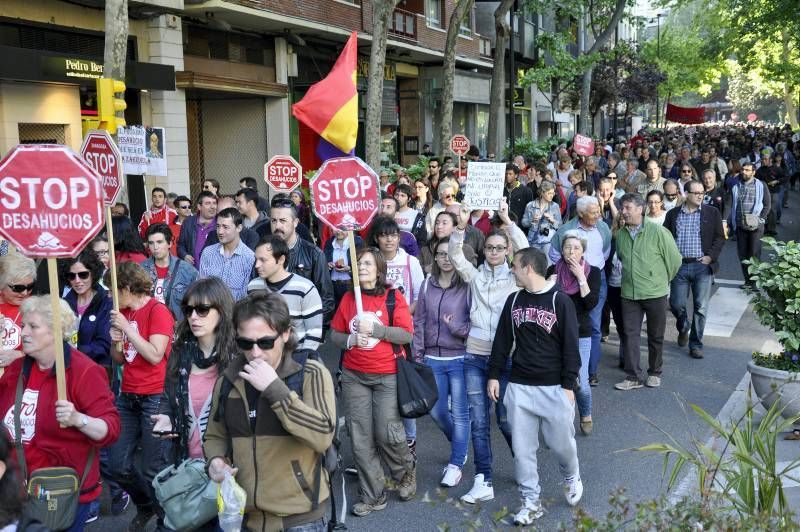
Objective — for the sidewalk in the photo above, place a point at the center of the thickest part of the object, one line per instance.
(786, 450)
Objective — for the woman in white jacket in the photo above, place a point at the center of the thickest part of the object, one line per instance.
(491, 283)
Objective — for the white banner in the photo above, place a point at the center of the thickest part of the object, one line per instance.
(156, 142)
(485, 182)
(131, 144)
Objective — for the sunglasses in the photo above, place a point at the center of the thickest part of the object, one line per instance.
(448, 196)
(264, 343)
(71, 276)
(184, 206)
(686, 171)
(202, 310)
(20, 288)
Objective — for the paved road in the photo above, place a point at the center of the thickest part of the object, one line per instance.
(620, 423)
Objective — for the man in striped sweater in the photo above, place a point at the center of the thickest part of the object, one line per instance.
(300, 294)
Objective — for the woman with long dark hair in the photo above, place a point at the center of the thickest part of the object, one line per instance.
(128, 245)
(204, 344)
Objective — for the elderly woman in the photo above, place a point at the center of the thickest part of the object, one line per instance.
(90, 303)
(17, 277)
(655, 207)
(144, 328)
(542, 218)
(369, 383)
(448, 189)
(88, 415)
(581, 282)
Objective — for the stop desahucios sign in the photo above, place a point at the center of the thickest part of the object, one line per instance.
(51, 201)
(459, 145)
(101, 153)
(344, 193)
(283, 174)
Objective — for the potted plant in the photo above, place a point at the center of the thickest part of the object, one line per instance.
(776, 302)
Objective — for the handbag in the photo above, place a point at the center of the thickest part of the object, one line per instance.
(416, 385)
(53, 492)
(751, 222)
(186, 494)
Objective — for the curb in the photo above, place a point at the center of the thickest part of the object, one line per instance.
(733, 409)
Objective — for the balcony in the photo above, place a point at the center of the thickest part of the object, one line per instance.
(403, 24)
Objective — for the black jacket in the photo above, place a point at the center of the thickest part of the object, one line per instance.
(188, 237)
(712, 236)
(308, 260)
(518, 199)
(94, 338)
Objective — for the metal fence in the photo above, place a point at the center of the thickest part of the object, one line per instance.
(42, 133)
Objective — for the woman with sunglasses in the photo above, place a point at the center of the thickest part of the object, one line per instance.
(17, 278)
(204, 344)
(144, 328)
(369, 383)
(490, 285)
(90, 303)
(688, 173)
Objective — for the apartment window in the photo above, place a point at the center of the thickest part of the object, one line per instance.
(467, 24)
(433, 12)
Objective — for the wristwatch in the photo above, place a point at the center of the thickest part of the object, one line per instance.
(84, 421)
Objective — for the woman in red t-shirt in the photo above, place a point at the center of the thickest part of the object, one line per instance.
(369, 383)
(17, 277)
(144, 328)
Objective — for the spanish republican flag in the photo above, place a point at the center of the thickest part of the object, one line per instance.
(330, 107)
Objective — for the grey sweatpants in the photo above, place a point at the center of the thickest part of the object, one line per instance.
(529, 409)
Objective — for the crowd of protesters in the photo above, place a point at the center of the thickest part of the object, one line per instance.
(509, 308)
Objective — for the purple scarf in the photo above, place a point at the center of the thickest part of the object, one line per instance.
(569, 283)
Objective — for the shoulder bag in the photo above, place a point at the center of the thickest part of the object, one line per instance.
(186, 494)
(53, 492)
(416, 385)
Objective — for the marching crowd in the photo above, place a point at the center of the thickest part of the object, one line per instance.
(224, 301)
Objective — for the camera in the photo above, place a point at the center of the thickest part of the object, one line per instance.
(544, 231)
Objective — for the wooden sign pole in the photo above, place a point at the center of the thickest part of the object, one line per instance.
(58, 334)
(112, 265)
(354, 273)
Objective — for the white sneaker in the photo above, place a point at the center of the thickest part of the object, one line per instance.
(531, 510)
(452, 476)
(481, 491)
(573, 489)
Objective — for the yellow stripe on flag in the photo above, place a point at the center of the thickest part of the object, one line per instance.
(342, 130)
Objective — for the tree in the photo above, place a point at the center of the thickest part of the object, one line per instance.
(496, 92)
(381, 11)
(463, 7)
(116, 40)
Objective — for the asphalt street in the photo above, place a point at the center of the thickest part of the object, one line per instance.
(622, 421)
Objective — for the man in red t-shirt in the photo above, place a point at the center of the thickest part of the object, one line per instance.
(159, 211)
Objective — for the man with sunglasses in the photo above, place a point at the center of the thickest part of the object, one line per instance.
(300, 294)
(273, 433)
(183, 206)
(305, 258)
(171, 276)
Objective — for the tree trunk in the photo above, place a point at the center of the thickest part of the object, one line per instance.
(496, 94)
(600, 41)
(448, 74)
(586, 88)
(381, 11)
(116, 41)
(788, 98)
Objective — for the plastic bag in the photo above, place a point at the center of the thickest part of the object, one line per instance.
(231, 499)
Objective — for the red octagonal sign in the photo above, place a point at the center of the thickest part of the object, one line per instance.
(283, 174)
(51, 201)
(344, 193)
(102, 154)
(459, 144)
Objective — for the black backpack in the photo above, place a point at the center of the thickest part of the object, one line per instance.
(331, 459)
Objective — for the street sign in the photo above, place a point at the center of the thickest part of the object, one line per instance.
(344, 193)
(459, 145)
(583, 145)
(51, 201)
(101, 153)
(752, 117)
(283, 174)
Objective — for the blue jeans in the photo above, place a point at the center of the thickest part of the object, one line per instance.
(454, 422)
(596, 315)
(81, 514)
(476, 375)
(697, 277)
(410, 426)
(136, 431)
(584, 395)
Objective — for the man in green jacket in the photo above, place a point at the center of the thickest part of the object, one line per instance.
(650, 259)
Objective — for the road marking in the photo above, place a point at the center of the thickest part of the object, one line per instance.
(731, 282)
(725, 309)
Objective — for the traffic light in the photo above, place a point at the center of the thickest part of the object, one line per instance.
(109, 104)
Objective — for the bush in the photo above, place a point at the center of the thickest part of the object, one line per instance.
(783, 361)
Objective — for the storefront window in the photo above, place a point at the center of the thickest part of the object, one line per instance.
(482, 128)
(433, 13)
(388, 145)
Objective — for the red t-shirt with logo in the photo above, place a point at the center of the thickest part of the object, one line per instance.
(10, 327)
(141, 377)
(161, 282)
(377, 356)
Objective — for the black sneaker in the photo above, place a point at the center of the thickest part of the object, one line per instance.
(412, 446)
(696, 352)
(120, 504)
(593, 381)
(683, 338)
(94, 511)
(351, 470)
